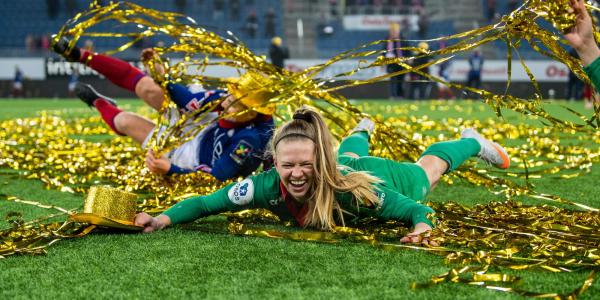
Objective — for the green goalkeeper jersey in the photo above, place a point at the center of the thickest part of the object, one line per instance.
(404, 183)
(593, 72)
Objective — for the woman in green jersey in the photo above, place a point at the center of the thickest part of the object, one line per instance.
(315, 187)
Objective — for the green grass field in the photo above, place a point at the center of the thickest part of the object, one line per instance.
(182, 262)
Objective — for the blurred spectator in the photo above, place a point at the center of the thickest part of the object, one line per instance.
(313, 5)
(512, 5)
(30, 43)
(73, 79)
(476, 66)
(416, 5)
(37, 42)
(393, 49)
(324, 28)
(180, 5)
(590, 97)
(377, 6)
(333, 8)
(444, 91)
(218, 9)
(278, 53)
(574, 85)
(350, 7)
(17, 89)
(45, 42)
(52, 8)
(270, 23)
(234, 7)
(420, 85)
(423, 23)
(491, 10)
(88, 45)
(290, 6)
(252, 24)
(71, 7)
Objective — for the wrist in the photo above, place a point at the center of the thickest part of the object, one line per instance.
(588, 53)
(162, 221)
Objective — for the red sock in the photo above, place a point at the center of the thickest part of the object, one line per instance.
(118, 71)
(108, 113)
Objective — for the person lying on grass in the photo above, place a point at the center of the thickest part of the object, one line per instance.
(232, 147)
(316, 188)
(581, 38)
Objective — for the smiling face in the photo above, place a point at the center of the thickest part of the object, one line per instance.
(295, 161)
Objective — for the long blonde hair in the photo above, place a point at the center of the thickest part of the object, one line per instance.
(309, 124)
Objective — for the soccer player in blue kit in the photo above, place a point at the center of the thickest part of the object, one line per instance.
(229, 147)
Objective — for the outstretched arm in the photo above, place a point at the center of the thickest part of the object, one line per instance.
(581, 36)
(191, 209)
(254, 191)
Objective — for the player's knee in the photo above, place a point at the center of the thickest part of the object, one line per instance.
(147, 89)
(434, 168)
(122, 121)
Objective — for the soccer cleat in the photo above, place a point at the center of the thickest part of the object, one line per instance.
(62, 46)
(365, 124)
(490, 152)
(88, 94)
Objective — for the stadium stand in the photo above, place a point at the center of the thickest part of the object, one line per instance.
(31, 23)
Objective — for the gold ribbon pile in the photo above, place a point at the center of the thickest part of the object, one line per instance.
(45, 148)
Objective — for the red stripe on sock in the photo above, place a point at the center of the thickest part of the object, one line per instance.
(108, 113)
(117, 71)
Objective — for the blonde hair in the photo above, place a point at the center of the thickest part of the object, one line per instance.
(308, 124)
(276, 41)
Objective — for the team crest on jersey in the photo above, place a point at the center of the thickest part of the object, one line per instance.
(242, 192)
(241, 153)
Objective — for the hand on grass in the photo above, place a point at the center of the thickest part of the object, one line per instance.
(151, 224)
(420, 235)
(156, 165)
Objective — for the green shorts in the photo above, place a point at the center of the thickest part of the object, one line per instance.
(408, 179)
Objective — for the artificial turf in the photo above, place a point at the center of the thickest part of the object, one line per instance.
(183, 262)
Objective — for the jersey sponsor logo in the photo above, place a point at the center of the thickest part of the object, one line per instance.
(241, 153)
(242, 192)
(217, 147)
(274, 202)
(193, 105)
(381, 196)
